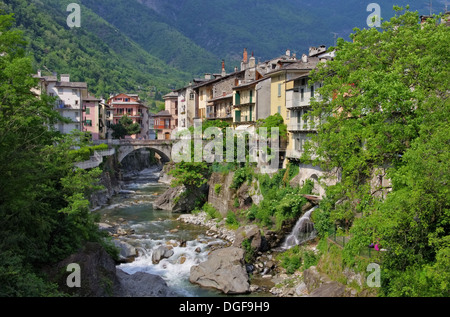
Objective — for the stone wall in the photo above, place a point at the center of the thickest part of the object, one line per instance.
(223, 199)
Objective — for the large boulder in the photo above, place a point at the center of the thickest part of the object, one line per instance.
(251, 233)
(161, 252)
(224, 270)
(178, 199)
(141, 284)
(127, 252)
(97, 272)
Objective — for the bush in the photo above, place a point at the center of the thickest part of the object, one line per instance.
(217, 188)
(232, 220)
(241, 175)
(212, 212)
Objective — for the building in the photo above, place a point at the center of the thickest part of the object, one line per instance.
(70, 96)
(215, 95)
(163, 125)
(131, 106)
(93, 117)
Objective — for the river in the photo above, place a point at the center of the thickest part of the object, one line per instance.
(134, 210)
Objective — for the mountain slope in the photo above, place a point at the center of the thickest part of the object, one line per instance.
(154, 33)
(96, 52)
(270, 27)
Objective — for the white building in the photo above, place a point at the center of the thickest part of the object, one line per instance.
(70, 96)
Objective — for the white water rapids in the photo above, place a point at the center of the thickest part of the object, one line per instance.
(133, 209)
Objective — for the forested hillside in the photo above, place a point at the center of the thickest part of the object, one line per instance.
(270, 27)
(96, 53)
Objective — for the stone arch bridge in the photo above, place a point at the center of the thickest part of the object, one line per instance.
(124, 147)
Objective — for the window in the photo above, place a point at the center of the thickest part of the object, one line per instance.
(279, 109)
(302, 94)
(129, 111)
(312, 91)
(279, 90)
(120, 110)
(183, 123)
(127, 99)
(191, 96)
(88, 110)
(298, 144)
(89, 123)
(74, 91)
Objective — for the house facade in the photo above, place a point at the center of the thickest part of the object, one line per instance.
(93, 121)
(131, 106)
(70, 96)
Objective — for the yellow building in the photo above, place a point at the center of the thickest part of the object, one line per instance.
(282, 75)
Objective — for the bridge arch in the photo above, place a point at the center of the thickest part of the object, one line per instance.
(128, 149)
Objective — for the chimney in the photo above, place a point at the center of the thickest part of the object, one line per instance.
(65, 78)
(223, 69)
(252, 62)
(304, 58)
(288, 52)
(207, 76)
(235, 69)
(245, 57)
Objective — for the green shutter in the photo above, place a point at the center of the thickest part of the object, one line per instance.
(237, 98)
(251, 96)
(237, 116)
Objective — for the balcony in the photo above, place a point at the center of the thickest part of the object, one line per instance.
(293, 154)
(296, 101)
(300, 127)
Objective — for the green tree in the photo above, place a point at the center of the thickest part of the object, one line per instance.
(125, 127)
(386, 105)
(44, 210)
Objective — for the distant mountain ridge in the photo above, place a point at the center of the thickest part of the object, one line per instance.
(267, 27)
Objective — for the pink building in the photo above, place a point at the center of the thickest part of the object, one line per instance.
(91, 120)
(132, 106)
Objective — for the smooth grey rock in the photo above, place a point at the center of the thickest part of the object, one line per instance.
(224, 270)
(141, 284)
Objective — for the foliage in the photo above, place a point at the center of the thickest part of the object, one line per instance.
(280, 202)
(44, 210)
(97, 52)
(212, 212)
(249, 251)
(84, 153)
(387, 106)
(273, 121)
(232, 221)
(125, 127)
(217, 188)
(241, 175)
(192, 175)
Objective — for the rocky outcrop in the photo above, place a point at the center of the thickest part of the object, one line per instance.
(127, 253)
(97, 273)
(161, 252)
(179, 199)
(224, 270)
(99, 277)
(252, 234)
(220, 194)
(141, 284)
(320, 285)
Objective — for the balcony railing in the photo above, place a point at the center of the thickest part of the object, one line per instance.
(296, 154)
(300, 127)
(297, 101)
